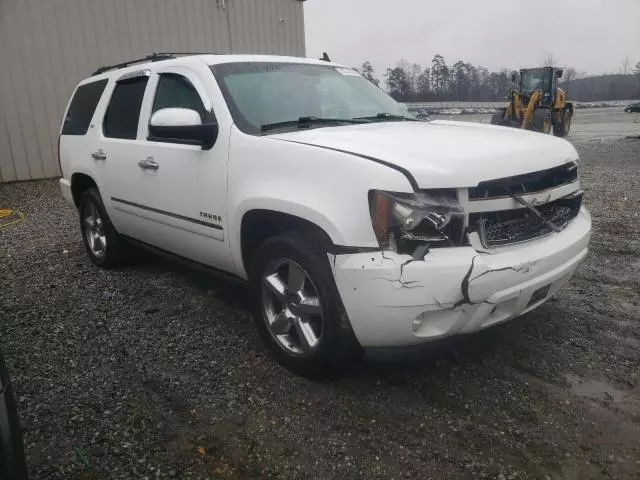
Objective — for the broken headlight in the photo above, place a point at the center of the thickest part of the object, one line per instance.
(404, 222)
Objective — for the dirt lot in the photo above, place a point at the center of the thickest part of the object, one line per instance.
(156, 372)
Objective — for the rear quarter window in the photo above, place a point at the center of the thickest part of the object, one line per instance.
(83, 106)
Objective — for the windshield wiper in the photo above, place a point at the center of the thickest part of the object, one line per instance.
(305, 122)
(387, 116)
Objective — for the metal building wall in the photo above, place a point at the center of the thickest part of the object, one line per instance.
(48, 46)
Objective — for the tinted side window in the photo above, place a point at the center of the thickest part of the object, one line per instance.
(176, 91)
(83, 106)
(123, 112)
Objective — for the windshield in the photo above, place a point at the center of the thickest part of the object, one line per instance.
(535, 80)
(261, 94)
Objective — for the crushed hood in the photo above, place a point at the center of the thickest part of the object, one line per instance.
(444, 154)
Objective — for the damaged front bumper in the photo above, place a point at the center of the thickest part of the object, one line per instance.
(393, 300)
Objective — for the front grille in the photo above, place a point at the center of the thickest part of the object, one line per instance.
(513, 226)
(527, 183)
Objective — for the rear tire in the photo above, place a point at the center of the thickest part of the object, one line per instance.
(104, 245)
(562, 129)
(302, 322)
(541, 121)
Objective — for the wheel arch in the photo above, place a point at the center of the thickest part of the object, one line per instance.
(80, 183)
(259, 224)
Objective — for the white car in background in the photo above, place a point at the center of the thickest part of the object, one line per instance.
(356, 226)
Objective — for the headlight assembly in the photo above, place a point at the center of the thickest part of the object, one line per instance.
(403, 221)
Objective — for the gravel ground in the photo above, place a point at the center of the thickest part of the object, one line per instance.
(153, 371)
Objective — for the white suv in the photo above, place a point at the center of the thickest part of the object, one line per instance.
(356, 225)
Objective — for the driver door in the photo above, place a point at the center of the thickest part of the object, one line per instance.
(178, 186)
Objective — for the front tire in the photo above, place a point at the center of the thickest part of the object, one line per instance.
(541, 121)
(104, 245)
(297, 308)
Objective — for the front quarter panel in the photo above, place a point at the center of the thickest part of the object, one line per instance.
(325, 187)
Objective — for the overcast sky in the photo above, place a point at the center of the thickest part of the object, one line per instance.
(594, 36)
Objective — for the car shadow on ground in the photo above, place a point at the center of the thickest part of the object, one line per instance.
(463, 351)
(234, 295)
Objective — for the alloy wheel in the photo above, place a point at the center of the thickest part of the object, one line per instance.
(94, 231)
(291, 307)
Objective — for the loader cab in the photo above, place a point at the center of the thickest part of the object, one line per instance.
(544, 79)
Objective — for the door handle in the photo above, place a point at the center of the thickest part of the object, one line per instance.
(149, 164)
(99, 155)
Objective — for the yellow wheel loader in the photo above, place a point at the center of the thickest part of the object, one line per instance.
(538, 103)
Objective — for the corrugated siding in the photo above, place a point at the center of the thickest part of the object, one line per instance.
(48, 46)
(270, 27)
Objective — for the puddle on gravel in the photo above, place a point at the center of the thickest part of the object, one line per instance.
(594, 389)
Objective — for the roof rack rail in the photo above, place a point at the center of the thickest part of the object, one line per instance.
(186, 53)
(154, 57)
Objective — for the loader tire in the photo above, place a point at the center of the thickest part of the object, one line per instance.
(541, 121)
(562, 129)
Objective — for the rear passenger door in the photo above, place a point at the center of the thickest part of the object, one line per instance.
(119, 141)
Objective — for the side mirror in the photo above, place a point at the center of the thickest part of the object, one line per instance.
(182, 125)
(559, 73)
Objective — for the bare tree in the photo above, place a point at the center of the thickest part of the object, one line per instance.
(625, 66)
(570, 74)
(404, 65)
(549, 60)
(416, 70)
